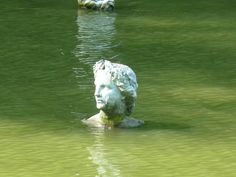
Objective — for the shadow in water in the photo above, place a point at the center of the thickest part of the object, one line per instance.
(152, 125)
(98, 155)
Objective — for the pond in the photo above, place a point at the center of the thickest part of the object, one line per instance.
(183, 53)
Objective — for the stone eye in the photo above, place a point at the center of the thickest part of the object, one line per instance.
(102, 86)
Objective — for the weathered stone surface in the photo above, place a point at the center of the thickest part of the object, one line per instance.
(115, 95)
(106, 5)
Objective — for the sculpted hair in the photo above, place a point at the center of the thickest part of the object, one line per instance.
(124, 78)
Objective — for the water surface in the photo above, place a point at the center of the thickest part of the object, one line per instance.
(184, 56)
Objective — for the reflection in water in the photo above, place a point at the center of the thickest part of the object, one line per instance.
(94, 41)
(98, 156)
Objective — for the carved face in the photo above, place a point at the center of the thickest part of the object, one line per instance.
(107, 95)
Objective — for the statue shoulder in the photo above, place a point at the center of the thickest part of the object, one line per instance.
(93, 121)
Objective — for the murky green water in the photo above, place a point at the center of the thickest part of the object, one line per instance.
(184, 55)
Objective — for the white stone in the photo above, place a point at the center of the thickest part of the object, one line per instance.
(107, 5)
(115, 95)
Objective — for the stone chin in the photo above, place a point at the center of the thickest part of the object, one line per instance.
(100, 105)
(105, 107)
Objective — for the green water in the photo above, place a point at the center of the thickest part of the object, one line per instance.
(184, 55)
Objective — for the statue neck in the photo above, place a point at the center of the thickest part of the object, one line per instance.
(111, 119)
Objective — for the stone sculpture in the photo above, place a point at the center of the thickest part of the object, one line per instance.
(106, 5)
(115, 95)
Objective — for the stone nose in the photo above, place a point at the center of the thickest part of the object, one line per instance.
(97, 92)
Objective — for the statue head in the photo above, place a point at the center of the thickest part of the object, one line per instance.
(116, 87)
